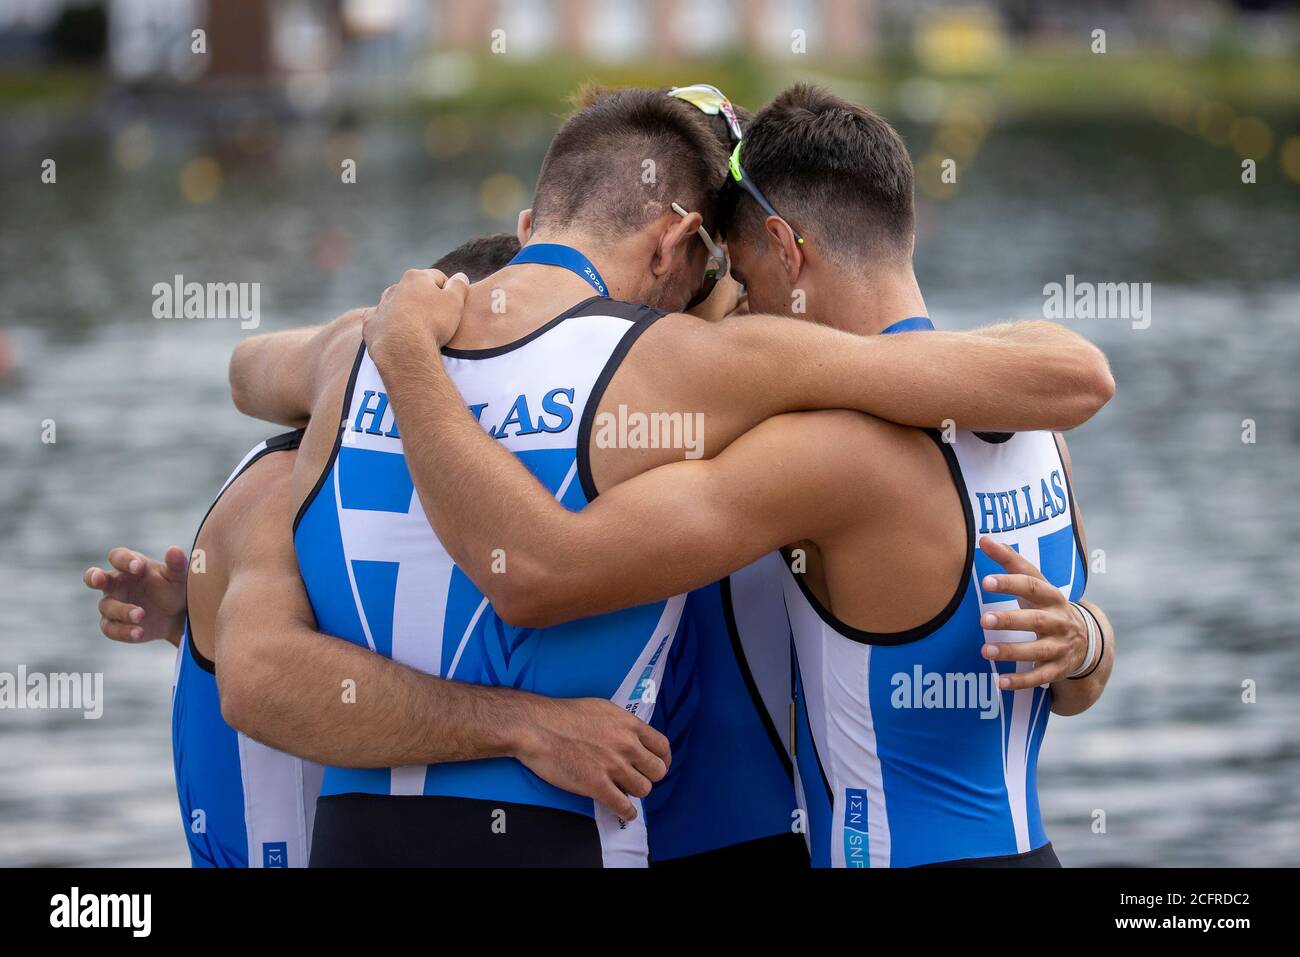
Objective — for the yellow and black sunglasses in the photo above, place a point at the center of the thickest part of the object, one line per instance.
(711, 101)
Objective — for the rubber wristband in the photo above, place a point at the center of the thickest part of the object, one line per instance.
(1101, 640)
(1087, 670)
(1090, 658)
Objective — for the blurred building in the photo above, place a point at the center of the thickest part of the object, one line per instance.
(617, 29)
(382, 41)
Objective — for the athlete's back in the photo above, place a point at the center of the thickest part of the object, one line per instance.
(377, 575)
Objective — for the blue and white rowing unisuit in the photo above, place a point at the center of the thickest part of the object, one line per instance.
(728, 797)
(377, 575)
(243, 804)
(907, 752)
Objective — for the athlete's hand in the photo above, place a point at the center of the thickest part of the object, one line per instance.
(592, 747)
(415, 317)
(144, 599)
(1062, 641)
(723, 301)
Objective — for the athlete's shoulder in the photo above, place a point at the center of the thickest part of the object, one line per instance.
(686, 354)
(635, 312)
(338, 344)
(258, 482)
(244, 517)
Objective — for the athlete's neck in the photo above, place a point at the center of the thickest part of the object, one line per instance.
(621, 263)
(868, 305)
(519, 298)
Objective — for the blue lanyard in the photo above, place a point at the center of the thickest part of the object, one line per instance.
(566, 257)
(914, 324)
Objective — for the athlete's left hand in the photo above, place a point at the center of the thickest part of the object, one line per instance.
(144, 599)
(1062, 641)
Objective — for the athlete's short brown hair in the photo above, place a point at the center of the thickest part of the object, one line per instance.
(839, 172)
(480, 257)
(624, 158)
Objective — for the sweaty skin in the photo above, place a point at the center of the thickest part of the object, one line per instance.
(250, 614)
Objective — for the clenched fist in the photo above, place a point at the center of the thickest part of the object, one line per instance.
(417, 316)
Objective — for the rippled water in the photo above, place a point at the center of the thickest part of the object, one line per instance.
(1199, 530)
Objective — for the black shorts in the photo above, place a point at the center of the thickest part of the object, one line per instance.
(778, 852)
(1039, 857)
(381, 830)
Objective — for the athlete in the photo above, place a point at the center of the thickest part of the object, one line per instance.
(247, 804)
(920, 692)
(536, 373)
(705, 703)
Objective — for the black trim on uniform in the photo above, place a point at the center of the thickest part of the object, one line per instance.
(771, 852)
(384, 830)
(994, 438)
(642, 318)
(197, 656)
(751, 686)
(338, 439)
(1074, 509)
(1043, 856)
(520, 343)
(283, 442)
(578, 309)
(939, 620)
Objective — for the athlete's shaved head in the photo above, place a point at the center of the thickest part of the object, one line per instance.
(480, 257)
(596, 175)
(588, 93)
(839, 172)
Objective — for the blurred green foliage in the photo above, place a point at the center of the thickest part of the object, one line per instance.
(1035, 84)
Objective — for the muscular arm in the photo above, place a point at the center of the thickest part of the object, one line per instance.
(1015, 377)
(275, 376)
(264, 635)
(286, 684)
(741, 385)
(668, 530)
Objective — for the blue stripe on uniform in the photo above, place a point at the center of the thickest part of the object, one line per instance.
(209, 780)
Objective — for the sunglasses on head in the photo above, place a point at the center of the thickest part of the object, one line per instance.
(711, 101)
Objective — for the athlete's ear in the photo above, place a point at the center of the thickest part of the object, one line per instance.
(524, 226)
(677, 232)
(781, 237)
